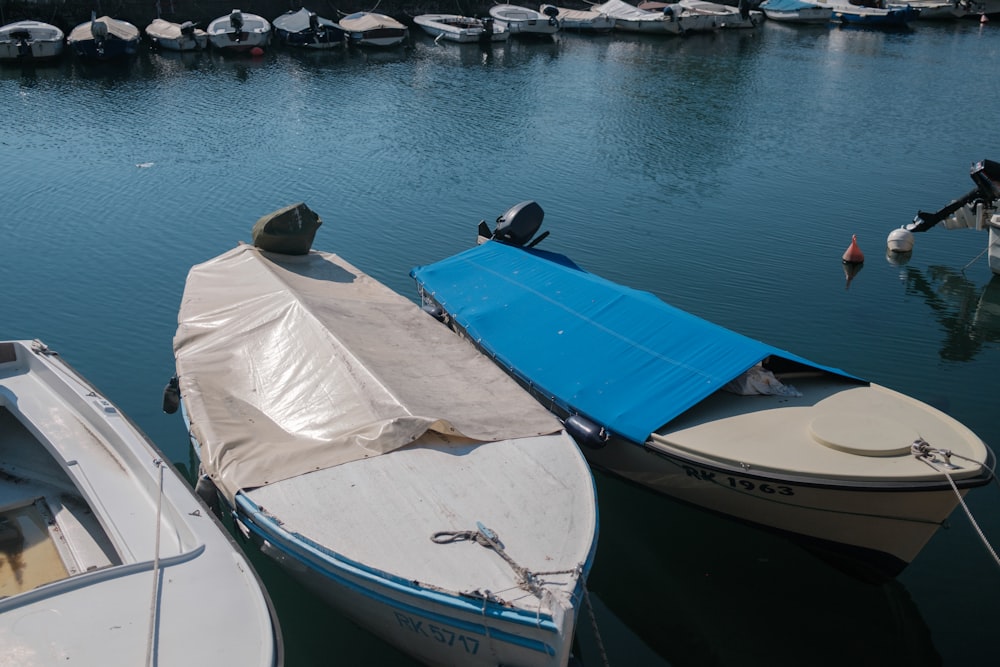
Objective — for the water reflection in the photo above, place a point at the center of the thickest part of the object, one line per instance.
(699, 589)
(968, 314)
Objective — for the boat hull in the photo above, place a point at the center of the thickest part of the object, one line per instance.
(432, 626)
(878, 529)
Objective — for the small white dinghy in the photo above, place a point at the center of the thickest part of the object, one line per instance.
(461, 29)
(107, 557)
(524, 22)
(239, 32)
(382, 460)
(29, 41)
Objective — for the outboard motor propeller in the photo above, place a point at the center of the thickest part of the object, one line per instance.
(519, 224)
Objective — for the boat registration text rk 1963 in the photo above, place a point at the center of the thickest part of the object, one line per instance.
(738, 482)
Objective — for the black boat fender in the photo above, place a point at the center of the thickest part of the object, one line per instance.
(585, 432)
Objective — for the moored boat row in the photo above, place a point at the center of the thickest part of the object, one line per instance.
(107, 38)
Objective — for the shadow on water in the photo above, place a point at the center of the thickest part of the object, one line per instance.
(968, 314)
(699, 589)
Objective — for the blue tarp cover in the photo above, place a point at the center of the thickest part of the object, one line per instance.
(786, 5)
(619, 356)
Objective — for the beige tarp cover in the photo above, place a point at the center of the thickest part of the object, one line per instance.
(116, 28)
(362, 22)
(289, 364)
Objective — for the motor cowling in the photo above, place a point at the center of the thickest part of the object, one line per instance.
(519, 223)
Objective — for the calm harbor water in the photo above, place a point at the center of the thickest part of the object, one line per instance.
(725, 173)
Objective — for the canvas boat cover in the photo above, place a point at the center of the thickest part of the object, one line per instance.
(625, 11)
(116, 28)
(289, 364)
(618, 356)
(365, 21)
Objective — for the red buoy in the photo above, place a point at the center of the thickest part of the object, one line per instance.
(256, 51)
(853, 254)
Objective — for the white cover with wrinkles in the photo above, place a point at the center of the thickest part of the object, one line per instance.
(281, 372)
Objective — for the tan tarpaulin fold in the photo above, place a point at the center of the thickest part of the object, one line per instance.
(290, 364)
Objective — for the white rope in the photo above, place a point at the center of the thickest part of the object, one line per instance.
(527, 579)
(153, 606)
(924, 452)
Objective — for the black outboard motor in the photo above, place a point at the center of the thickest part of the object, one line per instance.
(519, 224)
(986, 175)
(187, 28)
(552, 13)
(236, 21)
(23, 38)
(486, 36)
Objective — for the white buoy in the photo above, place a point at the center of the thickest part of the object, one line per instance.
(900, 240)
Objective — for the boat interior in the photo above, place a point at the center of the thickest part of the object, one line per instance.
(48, 532)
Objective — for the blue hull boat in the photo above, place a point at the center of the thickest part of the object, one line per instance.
(704, 414)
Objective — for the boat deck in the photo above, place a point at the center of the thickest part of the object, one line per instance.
(835, 430)
(438, 484)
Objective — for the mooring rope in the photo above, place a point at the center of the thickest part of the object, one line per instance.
(924, 452)
(593, 626)
(153, 606)
(527, 579)
(483, 536)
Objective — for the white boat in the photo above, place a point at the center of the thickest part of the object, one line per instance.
(580, 20)
(796, 11)
(107, 557)
(29, 41)
(848, 13)
(725, 16)
(937, 10)
(176, 36)
(371, 29)
(700, 16)
(695, 411)
(630, 18)
(461, 29)
(104, 38)
(524, 22)
(238, 32)
(383, 461)
(307, 30)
